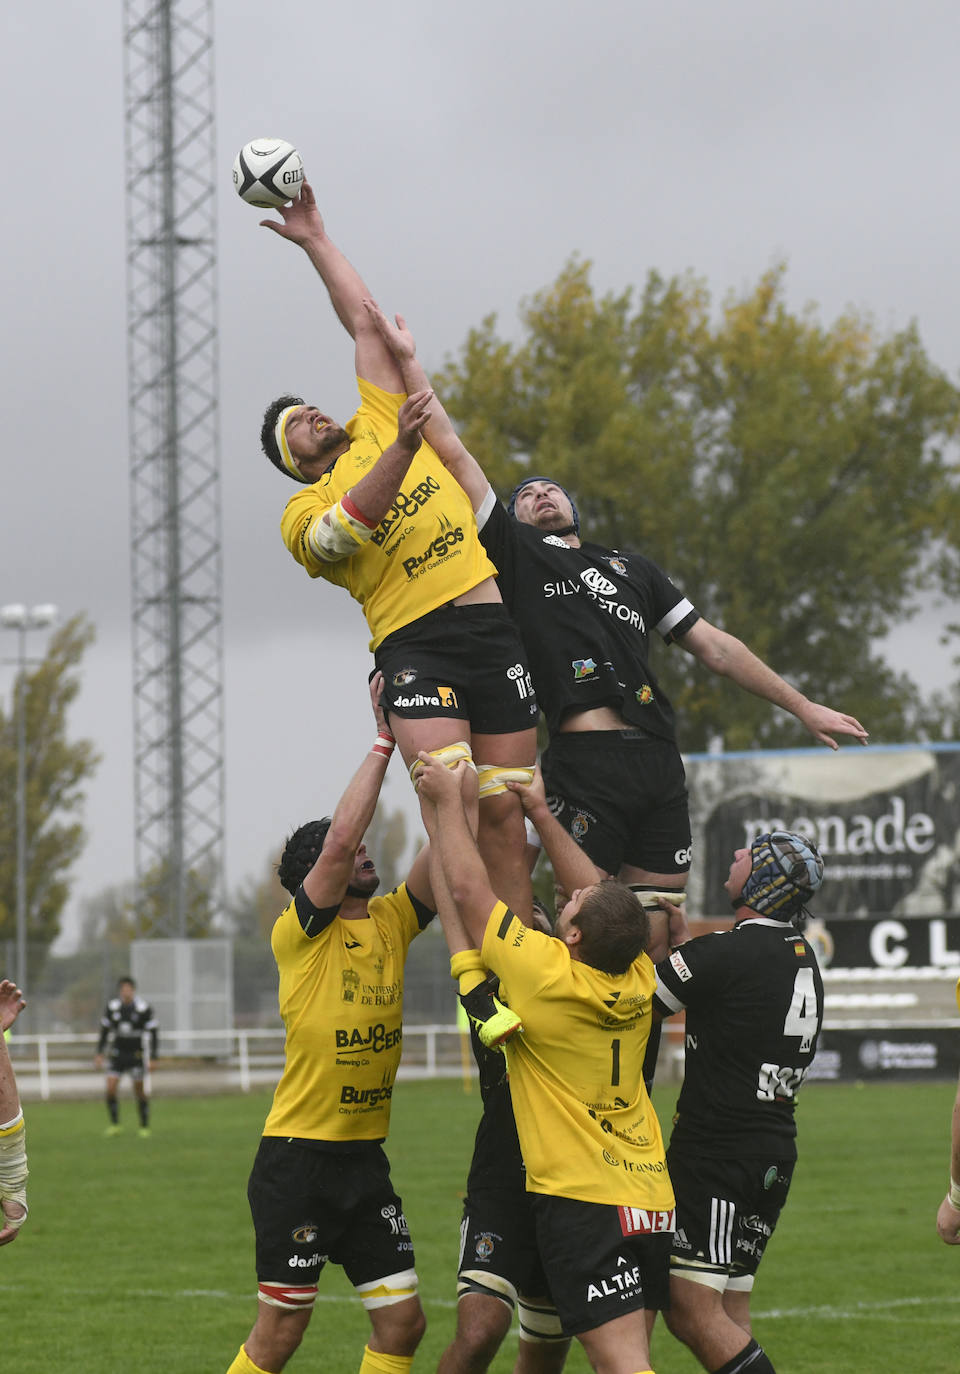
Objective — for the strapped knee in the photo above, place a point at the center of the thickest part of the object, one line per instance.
(539, 1322)
(287, 1296)
(486, 1285)
(449, 754)
(494, 778)
(392, 1289)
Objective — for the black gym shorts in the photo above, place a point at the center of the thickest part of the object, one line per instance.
(622, 795)
(311, 1204)
(463, 662)
(727, 1209)
(595, 1272)
(498, 1237)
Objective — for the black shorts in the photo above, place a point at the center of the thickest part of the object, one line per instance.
(595, 1272)
(463, 662)
(498, 1240)
(622, 795)
(727, 1210)
(126, 1061)
(310, 1205)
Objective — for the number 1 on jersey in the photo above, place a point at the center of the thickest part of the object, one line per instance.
(614, 1063)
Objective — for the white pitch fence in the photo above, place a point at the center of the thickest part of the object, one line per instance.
(62, 1065)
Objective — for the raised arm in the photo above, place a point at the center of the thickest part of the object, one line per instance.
(728, 656)
(327, 880)
(572, 868)
(464, 919)
(439, 431)
(303, 224)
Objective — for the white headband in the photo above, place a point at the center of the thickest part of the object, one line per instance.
(279, 433)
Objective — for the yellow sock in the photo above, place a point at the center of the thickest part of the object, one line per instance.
(468, 969)
(244, 1365)
(376, 1362)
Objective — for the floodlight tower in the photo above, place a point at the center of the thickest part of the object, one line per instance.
(172, 365)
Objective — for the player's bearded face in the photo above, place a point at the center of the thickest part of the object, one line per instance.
(311, 434)
(365, 879)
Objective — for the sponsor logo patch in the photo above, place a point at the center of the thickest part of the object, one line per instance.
(436, 551)
(583, 667)
(637, 1221)
(595, 580)
(681, 967)
(644, 694)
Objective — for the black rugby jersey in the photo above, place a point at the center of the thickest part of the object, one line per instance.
(754, 1007)
(585, 616)
(124, 1025)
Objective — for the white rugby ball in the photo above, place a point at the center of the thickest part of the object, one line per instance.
(268, 172)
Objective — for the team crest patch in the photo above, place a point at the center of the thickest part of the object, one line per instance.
(349, 985)
(644, 694)
(617, 564)
(404, 676)
(579, 825)
(583, 667)
(484, 1246)
(305, 1235)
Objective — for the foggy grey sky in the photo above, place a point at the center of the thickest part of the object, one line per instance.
(459, 158)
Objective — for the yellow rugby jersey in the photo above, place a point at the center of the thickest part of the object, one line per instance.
(423, 553)
(341, 999)
(586, 1124)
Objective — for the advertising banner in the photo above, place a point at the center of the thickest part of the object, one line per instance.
(899, 1052)
(886, 819)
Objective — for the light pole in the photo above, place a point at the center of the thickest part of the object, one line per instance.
(22, 619)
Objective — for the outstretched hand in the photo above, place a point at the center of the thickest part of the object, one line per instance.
(11, 1004)
(302, 220)
(397, 337)
(823, 723)
(414, 414)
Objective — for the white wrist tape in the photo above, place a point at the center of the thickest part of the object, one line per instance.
(338, 532)
(954, 1195)
(13, 1167)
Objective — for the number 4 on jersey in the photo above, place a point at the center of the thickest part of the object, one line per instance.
(802, 1018)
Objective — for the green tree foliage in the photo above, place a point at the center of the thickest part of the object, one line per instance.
(56, 770)
(796, 481)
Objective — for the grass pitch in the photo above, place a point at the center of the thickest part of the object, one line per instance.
(138, 1254)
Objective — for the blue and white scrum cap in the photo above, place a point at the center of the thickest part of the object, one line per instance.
(512, 503)
(786, 870)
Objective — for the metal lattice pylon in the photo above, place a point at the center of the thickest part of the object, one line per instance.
(174, 463)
